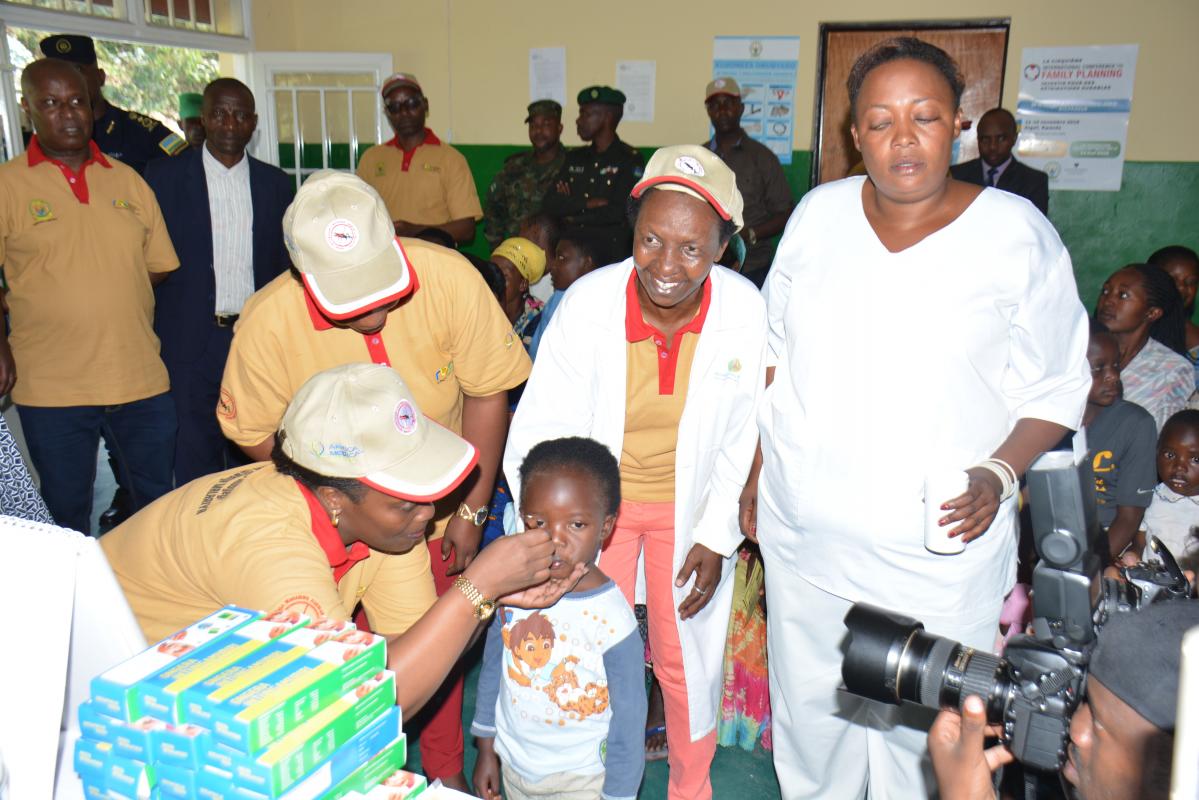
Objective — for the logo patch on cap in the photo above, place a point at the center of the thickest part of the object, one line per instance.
(405, 418)
(718, 83)
(63, 46)
(341, 235)
(689, 166)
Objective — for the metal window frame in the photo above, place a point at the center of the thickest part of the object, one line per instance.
(265, 66)
(133, 26)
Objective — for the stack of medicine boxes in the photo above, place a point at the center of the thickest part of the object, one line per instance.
(247, 706)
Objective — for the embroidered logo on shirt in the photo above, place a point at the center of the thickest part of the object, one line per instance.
(341, 235)
(121, 204)
(735, 365)
(225, 405)
(405, 418)
(380, 171)
(430, 168)
(443, 373)
(40, 211)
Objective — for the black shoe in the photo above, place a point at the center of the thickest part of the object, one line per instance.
(116, 513)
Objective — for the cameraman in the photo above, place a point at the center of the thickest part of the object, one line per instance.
(1121, 736)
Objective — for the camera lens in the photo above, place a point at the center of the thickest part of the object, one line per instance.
(891, 658)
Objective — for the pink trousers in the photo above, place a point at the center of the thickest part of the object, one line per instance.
(650, 527)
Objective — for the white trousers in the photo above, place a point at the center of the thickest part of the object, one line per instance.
(829, 744)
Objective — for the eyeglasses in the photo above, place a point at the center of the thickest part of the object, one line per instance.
(401, 106)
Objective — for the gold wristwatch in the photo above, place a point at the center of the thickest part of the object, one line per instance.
(476, 518)
(484, 608)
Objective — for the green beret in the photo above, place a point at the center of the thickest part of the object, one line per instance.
(545, 108)
(190, 105)
(68, 47)
(601, 94)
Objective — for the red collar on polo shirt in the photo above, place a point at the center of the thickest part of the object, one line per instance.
(373, 341)
(430, 138)
(340, 559)
(636, 329)
(77, 181)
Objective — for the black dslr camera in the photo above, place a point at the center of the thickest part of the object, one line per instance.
(1035, 687)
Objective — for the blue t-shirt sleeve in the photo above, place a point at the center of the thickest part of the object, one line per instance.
(487, 691)
(624, 664)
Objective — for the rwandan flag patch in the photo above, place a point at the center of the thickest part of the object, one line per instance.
(172, 144)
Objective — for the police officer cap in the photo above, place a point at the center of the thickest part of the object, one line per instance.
(601, 94)
(544, 108)
(69, 47)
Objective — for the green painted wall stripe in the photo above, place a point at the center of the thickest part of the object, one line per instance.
(1157, 205)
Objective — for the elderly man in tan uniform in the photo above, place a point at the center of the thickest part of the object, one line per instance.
(425, 182)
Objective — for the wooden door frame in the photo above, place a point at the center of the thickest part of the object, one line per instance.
(827, 28)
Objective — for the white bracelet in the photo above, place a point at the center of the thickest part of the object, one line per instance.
(1002, 470)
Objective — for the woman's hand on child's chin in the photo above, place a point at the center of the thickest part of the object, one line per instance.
(545, 594)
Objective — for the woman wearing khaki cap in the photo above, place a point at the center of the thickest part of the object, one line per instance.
(660, 358)
(336, 518)
(360, 294)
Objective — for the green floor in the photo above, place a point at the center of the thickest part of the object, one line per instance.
(735, 772)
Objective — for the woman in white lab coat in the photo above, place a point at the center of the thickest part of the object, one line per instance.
(660, 358)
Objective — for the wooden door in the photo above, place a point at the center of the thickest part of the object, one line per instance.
(979, 47)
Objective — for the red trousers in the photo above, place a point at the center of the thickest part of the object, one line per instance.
(441, 738)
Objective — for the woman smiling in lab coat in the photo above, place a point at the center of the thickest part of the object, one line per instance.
(660, 358)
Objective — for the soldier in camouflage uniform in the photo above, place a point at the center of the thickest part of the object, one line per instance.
(518, 189)
(592, 190)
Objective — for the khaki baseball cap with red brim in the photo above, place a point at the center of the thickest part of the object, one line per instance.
(342, 241)
(697, 171)
(361, 421)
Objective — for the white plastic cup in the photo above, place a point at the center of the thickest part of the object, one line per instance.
(940, 487)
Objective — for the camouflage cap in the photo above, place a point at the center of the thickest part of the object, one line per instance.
(544, 108)
(601, 94)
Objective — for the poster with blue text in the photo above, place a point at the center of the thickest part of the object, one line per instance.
(1073, 114)
(765, 68)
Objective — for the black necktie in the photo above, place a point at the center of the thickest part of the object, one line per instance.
(991, 173)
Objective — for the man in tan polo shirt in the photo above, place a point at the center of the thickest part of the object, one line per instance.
(82, 242)
(425, 182)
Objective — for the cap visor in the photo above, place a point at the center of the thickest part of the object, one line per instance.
(357, 289)
(444, 461)
(677, 184)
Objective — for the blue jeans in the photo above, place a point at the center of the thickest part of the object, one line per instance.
(63, 441)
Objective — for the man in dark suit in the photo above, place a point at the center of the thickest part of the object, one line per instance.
(997, 167)
(224, 211)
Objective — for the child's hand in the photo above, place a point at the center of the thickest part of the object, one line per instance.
(486, 777)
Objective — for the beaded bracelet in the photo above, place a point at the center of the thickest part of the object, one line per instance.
(1002, 470)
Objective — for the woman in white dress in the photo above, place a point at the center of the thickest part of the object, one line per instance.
(983, 367)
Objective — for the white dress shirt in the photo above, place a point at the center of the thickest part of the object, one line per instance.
(892, 366)
(232, 212)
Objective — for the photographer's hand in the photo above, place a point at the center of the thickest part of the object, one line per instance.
(962, 766)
